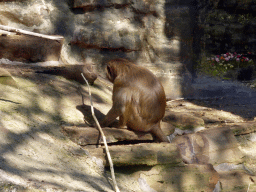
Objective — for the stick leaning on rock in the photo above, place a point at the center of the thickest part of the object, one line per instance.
(104, 139)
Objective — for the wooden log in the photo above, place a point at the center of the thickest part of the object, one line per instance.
(26, 46)
(90, 135)
(149, 154)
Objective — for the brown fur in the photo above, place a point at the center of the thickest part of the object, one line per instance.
(138, 98)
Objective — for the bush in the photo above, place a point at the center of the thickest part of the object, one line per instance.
(219, 65)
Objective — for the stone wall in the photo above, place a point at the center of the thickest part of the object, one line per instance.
(227, 26)
(165, 36)
(154, 34)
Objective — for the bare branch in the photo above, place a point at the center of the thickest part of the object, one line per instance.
(20, 31)
(104, 139)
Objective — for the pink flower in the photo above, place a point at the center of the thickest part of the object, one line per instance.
(238, 56)
(235, 53)
(237, 59)
(227, 59)
(217, 56)
(217, 59)
(225, 55)
(246, 59)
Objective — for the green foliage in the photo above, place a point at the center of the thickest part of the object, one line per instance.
(245, 18)
(218, 15)
(219, 65)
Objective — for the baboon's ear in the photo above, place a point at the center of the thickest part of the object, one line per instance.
(111, 73)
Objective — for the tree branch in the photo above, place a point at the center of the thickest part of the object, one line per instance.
(104, 139)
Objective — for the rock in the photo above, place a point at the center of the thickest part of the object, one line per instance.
(146, 154)
(118, 135)
(145, 186)
(230, 182)
(214, 146)
(32, 15)
(183, 120)
(119, 33)
(6, 78)
(167, 128)
(88, 118)
(154, 32)
(242, 128)
(104, 3)
(139, 6)
(163, 178)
